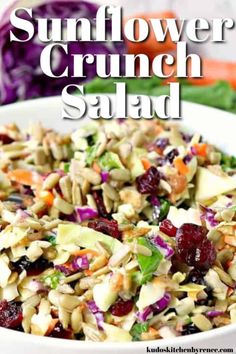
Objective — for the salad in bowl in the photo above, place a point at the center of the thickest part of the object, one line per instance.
(122, 230)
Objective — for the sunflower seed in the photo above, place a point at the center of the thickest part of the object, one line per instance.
(76, 320)
(202, 322)
(38, 207)
(68, 302)
(120, 174)
(63, 206)
(39, 156)
(66, 188)
(110, 192)
(91, 176)
(51, 181)
(92, 333)
(64, 317)
(76, 194)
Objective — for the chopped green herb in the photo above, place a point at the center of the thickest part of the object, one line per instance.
(110, 160)
(53, 280)
(91, 154)
(52, 240)
(228, 162)
(165, 206)
(148, 264)
(66, 167)
(138, 329)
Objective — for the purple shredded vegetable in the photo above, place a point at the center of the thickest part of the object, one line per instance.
(161, 304)
(144, 315)
(85, 213)
(93, 307)
(187, 158)
(162, 143)
(21, 76)
(104, 176)
(154, 309)
(155, 201)
(163, 247)
(193, 150)
(97, 313)
(209, 216)
(80, 263)
(214, 313)
(100, 319)
(63, 269)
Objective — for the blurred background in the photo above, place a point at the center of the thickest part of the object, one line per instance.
(21, 77)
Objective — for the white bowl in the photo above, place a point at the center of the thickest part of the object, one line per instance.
(216, 126)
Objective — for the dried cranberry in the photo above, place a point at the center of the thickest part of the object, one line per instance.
(194, 248)
(109, 227)
(171, 155)
(149, 181)
(6, 139)
(97, 195)
(168, 228)
(32, 268)
(60, 332)
(10, 314)
(121, 308)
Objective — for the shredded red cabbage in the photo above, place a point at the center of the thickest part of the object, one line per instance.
(155, 201)
(21, 75)
(86, 213)
(154, 309)
(104, 176)
(209, 215)
(163, 247)
(144, 315)
(66, 270)
(97, 313)
(161, 304)
(214, 313)
(79, 263)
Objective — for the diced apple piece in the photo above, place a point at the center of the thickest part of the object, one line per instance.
(209, 185)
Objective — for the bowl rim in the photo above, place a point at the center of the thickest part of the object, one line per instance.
(72, 344)
(182, 341)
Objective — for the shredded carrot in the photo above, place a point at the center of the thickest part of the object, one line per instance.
(47, 197)
(25, 177)
(82, 306)
(52, 326)
(181, 166)
(88, 272)
(201, 149)
(96, 167)
(152, 331)
(86, 251)
(215, 70)
(146, 163)
(231, 240)
(230, 291)
(150, 46)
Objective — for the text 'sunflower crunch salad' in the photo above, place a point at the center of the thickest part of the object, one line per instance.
(121, 231)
